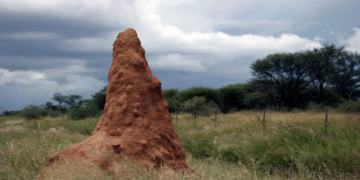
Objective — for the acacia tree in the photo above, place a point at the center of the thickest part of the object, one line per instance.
(320, 63)
(59, 98)
(345, 78)
(99, 99)
(74, 100)
(48, 106)
(283, 73)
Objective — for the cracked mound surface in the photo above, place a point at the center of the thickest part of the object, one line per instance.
(136, 123)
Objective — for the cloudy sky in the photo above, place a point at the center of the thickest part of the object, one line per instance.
(65, 46)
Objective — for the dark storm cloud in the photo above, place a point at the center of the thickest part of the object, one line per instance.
(181, 41)
(32, 53)
(11, 22)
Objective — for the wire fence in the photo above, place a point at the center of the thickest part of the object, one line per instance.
(216, 113)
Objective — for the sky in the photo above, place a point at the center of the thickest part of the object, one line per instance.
(65, 46)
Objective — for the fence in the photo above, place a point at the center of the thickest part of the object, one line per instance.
(195, 115)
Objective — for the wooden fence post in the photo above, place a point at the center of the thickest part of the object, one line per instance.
(326, 118)
(195, 118)
(215, 117)
(176, 118)
(264, 118)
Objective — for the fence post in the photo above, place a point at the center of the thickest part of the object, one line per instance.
(264, 118)
(326, 118)
(215, 117)
(176, 118)
(195, 118)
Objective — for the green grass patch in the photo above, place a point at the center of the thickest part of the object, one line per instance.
(292, 146)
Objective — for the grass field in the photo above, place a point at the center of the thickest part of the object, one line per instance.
(292, 146)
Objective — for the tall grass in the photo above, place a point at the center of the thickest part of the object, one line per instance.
(293, 146)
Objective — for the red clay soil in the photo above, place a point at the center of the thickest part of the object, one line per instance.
(136, 123)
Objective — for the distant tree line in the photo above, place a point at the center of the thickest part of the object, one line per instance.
(308, 79)
(74, 106)
(328, 76)
(325, 76)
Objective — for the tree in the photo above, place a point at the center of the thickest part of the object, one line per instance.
(6, 113)
(320, 63)
(210, 94)
(59, 98)
(231, 97)
(33, 112)
(198, 105)
(171, 97)
(73, 100)
(285, 73)
(98, 99)
(257, 95)
(49, 106)
(345, 78)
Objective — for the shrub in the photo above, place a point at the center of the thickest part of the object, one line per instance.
(54, 114)
(200, 146)
(353, 106)
(11, 113)
(77, 113)
(33, 112)
(6, 113)
(61, 109)
(199, 106)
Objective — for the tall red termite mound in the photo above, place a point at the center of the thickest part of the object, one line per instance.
(136, 123)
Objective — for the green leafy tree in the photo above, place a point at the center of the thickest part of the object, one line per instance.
(320, 63)
(211, 95)
(170, 93)
(73, 100)
(254, 96)
(231, 97)
(78, 112)
(284, 74)
(6, 113)
(59, 98)
(49, 106)
(171, 97)
(345, 78)
(33, 112)
(199, 105)
(98, 99)
(11, 113)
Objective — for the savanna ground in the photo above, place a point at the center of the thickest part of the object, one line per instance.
(293, 146)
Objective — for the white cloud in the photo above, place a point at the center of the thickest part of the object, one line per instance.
(21, 77)
(176, 62)
(74, 66)
(39, 86)
(353, 41)
(262, 26)
(178, 50)
(318, 39)
(45, 77)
